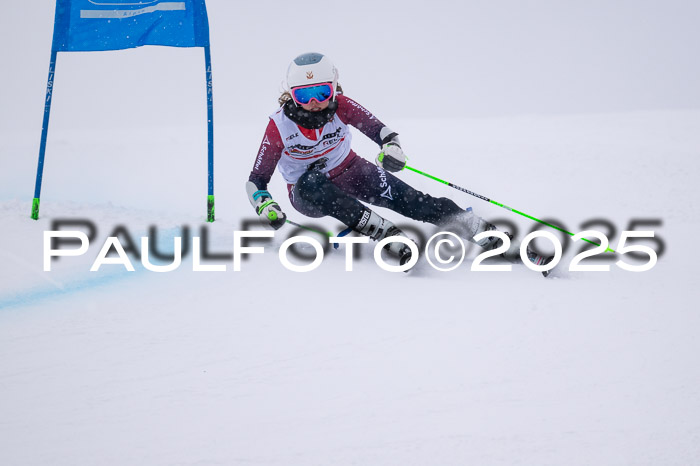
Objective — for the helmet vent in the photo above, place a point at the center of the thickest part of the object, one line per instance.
(308, 59)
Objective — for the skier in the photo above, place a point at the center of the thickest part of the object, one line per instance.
(309, 140)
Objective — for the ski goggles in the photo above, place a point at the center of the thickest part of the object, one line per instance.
(319, 92)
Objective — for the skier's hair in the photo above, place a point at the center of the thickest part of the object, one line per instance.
(286, 96)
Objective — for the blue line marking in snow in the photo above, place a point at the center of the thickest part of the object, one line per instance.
(96, 279)
(34, 296)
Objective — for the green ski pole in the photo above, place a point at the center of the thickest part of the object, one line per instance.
(451, 185)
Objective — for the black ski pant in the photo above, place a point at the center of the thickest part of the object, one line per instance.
(315, 195)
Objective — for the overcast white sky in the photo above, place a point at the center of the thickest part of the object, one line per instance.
(398, 58)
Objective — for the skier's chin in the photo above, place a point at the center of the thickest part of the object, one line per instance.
(315, 107)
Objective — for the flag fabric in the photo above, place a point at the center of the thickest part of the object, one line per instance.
(92, 25)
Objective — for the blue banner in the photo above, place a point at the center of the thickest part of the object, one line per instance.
(91, 25)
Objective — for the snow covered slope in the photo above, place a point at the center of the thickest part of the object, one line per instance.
(268, 366)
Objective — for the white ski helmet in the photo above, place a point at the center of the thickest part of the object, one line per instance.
(312, 68)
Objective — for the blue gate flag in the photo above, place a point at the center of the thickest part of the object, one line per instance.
(92, 25)
(95, 25)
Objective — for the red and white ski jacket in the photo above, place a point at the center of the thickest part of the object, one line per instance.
(293, 148)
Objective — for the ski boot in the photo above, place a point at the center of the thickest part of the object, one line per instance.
(513, 252)
(467, 225)
(471, 225)
(539, 260)
(376, 227)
